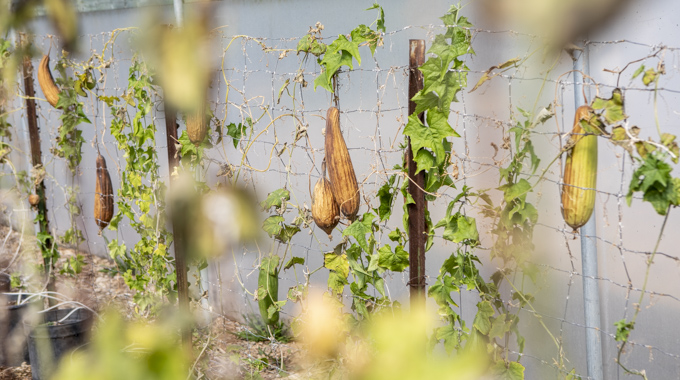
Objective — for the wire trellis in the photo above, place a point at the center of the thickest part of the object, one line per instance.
(373, 105)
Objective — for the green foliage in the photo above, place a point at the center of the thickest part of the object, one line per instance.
(343, 50)
(612, 108)
(459, 228)
(69, 143)
(514, 220)
(311, 44)
(277, 199)
(73, 265)
(365, 262)
(650, 75)
(141, 196)
(508, 371)
(16, 282)
(386, 195)
(515, 217)
(654, 180)
(653, 176)
(395, 260)
(275, 225)
(46, 242)
(380, 21)
(237, 131)
(444, 76)
(69, 139)
(623, 329)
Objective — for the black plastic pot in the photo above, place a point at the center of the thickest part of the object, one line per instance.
(5, 281)
(13, 339)
(50, 340)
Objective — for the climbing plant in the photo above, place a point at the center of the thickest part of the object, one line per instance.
(146, 267)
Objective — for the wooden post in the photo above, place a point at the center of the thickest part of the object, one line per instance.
(178, 232)
(416, 212)
(36, 155)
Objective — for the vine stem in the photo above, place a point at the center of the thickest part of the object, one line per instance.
(540, 319)
(642, 296)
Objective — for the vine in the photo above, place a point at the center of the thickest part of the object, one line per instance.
(69, 144)
(146, 267)
(652, 176)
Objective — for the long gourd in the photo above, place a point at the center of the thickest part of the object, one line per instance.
(340, 170)
(580, 173)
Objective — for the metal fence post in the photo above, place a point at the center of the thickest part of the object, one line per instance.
(416, 211)
(179, 12)
(591, 289)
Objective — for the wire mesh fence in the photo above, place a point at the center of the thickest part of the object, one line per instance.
(253, 87)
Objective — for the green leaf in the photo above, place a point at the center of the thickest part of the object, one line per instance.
(429, 137)
(619, 134)
(482, 321)
(318, 48)
(272, 309)
(270, 264)
(324, 81)
(236, 131)
(287, 232)
(109, 99)
(623, 329)
(649, 77)
(395, 235)
(450, 336)
(273, 225)
(380, 21)
(424, 161)
(304, 44)
(116, 250)
(653, 178)
(395, 261)
(386, 195)
(459, 228)
(363, 34)
(441, 48)
(293, 261)
(499, 327)
(425, 100)
(441, 290)
(276, 199)
(297, 292)
(447, 89)
(638, 71)
(433, 71)
(516, 190)
(359, 228)
(613, 107)
(508, 371)
(336, 263)
(339, 53)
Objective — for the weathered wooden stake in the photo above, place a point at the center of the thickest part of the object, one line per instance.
(36, 154)
(178, 233)
(416, 212)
